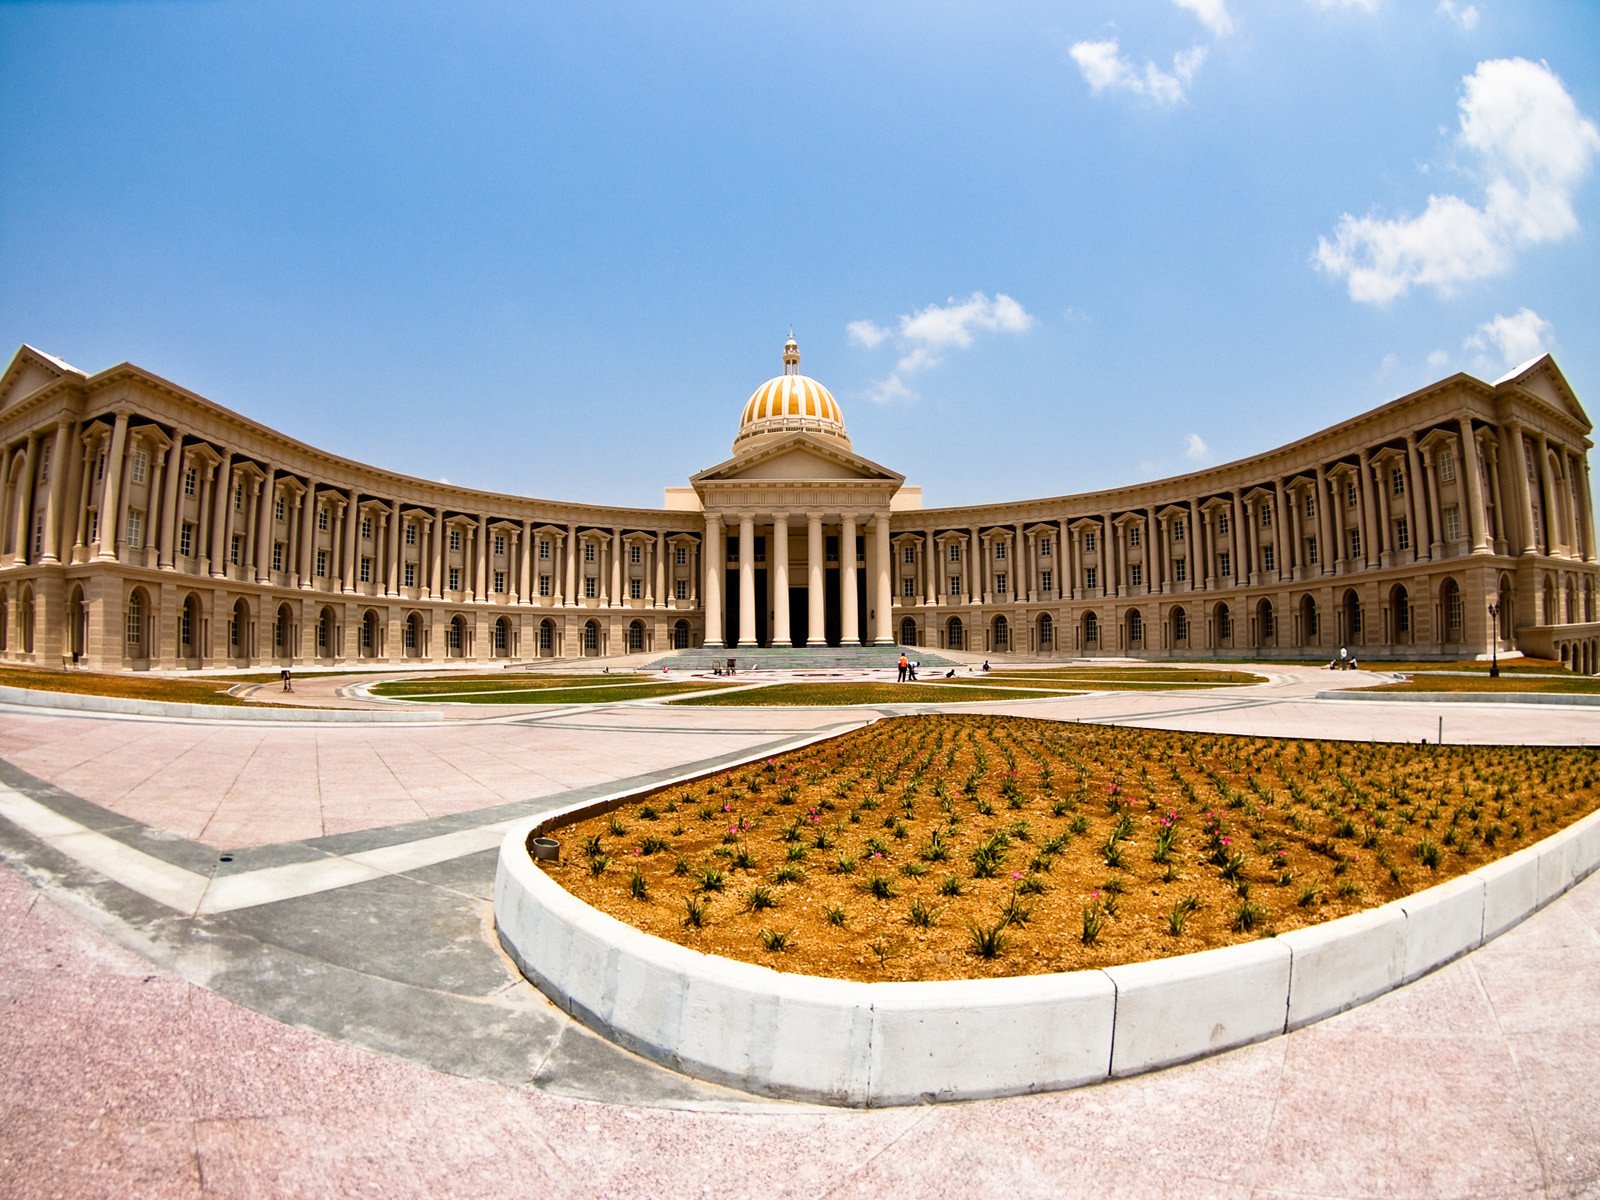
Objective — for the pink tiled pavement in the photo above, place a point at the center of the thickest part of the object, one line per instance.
(117, 1080)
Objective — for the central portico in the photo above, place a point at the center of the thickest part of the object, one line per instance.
(797, 525)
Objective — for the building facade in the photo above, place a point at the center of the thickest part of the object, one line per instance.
(144, 526)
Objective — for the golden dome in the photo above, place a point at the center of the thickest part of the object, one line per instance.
(789, 403)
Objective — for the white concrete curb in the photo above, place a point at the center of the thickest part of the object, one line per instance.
(167, 710)
(870, 1044)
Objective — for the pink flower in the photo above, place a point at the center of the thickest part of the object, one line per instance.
(1227, 841)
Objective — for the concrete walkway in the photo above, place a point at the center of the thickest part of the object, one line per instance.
(259, 961)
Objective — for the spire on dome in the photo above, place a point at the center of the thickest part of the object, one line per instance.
(791, 356)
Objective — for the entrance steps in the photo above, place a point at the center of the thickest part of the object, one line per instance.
(797, 658)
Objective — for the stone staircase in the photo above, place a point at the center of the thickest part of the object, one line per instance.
(797, 658)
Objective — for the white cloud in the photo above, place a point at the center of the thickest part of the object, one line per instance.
(1517, 338)
(1213, 15)
(1370, 6)
(1105, 68)
(866, 333)
(1194, 448)
(1533, 148)
(1464, 15)
(924, 336)
(1438, 359)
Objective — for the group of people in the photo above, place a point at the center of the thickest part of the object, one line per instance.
(908, 670)
(1344, 662)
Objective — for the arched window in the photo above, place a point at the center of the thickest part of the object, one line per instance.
(1091, 629)
(1352, 614)
(189, 625)
(680, 635)
(1400, 607)
(369, 633)
(455, 637)
(954, 635)
(1135, 628)
(134, 626)
(1224, 619)
(281, 631)
(1267, 621)
(325, 632)
(1454, 614)
(1002, 634)
(591, 637)
(547, 638)
(1180, 625)
(1310, 629)
(908, 632)
(1047, 632)
(635, 636)
(25, 618)
(502, 637)
(413, 635)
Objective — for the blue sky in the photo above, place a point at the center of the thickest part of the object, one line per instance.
(1031, 248)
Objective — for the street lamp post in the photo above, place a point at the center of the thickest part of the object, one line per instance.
(1494, 643)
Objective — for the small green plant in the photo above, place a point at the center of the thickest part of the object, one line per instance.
(951, 886)
(694, 911)
(1094, 921)
(637, 888)
(1247, 916)
(775, 940)
(1179, 915)
(712, 879)
(844, 865)
(648, 813)
(654, 845)
(789, 873)
(1428, 854)
(592, 846)
(742, 859)
(598, 864)
(987, 941)
(881, 887)
(759, 898)
(920, 914)
(1308, 896)
(1014, 912)
(681, 867)
(616, 826)
(1031, 885)
(836, 915)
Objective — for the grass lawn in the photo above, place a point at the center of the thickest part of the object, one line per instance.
(1577, 685)
(589, 693)
(409, 689)
(129, 687)
(796, 695)
(967, 846)
(1127, 678)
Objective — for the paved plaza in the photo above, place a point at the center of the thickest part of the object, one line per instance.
(241, 957)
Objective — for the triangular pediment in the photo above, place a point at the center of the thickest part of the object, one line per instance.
(798, 458)
(30, 371)
(1542, 379)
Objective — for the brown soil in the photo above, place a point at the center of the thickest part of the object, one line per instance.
(1269, 836)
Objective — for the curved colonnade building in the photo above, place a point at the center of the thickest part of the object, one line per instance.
(145, 526)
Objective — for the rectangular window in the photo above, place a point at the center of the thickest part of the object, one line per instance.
(1223, 522)
(1452, 523)
(1136, 574)
(544, 585)
(1311, 505)
(1000, 583)
(366, 529)
(1447, 467)
(1000, 552)
(186, 539)
(1180, 626)
(635, 555)
(955, 586)
(455, 539)
(1266, 516)
(452, 638)
(499, 583)
(100, 467)
(236, 549)
(278, 508)
(1311, 551)
(499, 544)
(1135, 535)
(38, 535)
(1177, 530)
(94, 527)
(588, 552)
(366, 569)
(544, 550)
(322, 564)
(1044, 547)
(1349, 495)
(1397, 481)
(1402, 534)
(409, 637)
(411, 533)
(322, 635)
(1269, 558)
(1088, 540)
(322, 520)
(135, 537)
(908, 587)
(635, 589)
(1355, 543)
(191, 481)
(955, 551)
(44, 462)
(680, 589)
(680, 555)
(410, 575)
(1224, 564)
(590, 587)
(909, 555)
(238, 497)
(1180, 569)
(141, 466)
(1047, 582)
(1091, 577)
(135, 626)
(454, 579)
(277, 556)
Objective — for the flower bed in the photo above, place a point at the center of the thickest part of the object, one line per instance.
(956, 847)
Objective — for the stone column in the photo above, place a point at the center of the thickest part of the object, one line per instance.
(264, 519)
(168, 538)
(1586, 509)
(308, 532)
(1364, 513)
(392, 567)
(1420, 535)
(930, 569)
(1515, 453)
(1295, 538)
(481, 589)
(1430, 467)
(525, 553)
(713, 585)
(747, 580)
(1385, 519)
(617, 552)
(111, 503)
(1469, 454)
(221, 508)
(816, 634)
(1327, 551)
(1164, 533)
(89, 442)
(1497, 529)
(570, 589)
(778, 573)
(24, 515)
(352, 542)
(1552, 517)
(1069, 566)
(658, 593)
(883, 634)
(849, 610)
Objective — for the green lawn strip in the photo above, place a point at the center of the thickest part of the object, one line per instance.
(1132, 674)
(574, 695)
(1576, 685)
(1526, 666)
(405, 688)
(802, 695)
(1106, 683)
(126, 687)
